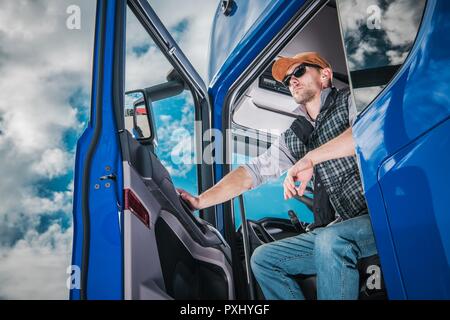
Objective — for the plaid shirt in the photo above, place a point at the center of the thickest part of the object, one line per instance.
(340, 177)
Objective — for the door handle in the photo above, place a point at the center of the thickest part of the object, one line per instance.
(109, 177)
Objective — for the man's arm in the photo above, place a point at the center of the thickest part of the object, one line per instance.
(269, 165)
(339, 147)
(231, 186)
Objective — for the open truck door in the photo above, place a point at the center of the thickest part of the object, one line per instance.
(133, 236)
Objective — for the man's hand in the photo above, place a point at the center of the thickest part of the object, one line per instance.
(192, 201)
(301, 172)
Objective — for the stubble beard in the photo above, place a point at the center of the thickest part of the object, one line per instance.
(306, 96)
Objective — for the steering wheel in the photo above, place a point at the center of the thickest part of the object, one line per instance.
(307, 201)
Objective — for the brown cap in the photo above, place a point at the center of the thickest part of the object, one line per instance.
(282, 65)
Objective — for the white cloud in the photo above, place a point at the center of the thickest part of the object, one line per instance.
(199, 14)
(35, 268)
(54, 162)
(57, 201)
(165, 118)
(43, 65)
(183, 153)
(363, 96)
(151, 67)
(176, 140)
(358, 58)
(396, 57)
(401, 20)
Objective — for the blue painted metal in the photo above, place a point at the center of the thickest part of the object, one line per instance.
(272, 20)
(404, 151)
(82, 146)
(414, 103)
(105, 274)
(416, 198)
(228, 31)
(81, 151)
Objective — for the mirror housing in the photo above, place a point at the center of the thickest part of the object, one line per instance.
(138, 116)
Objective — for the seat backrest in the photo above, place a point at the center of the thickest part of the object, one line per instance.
(160, 184)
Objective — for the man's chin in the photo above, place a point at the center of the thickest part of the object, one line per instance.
(299, 99)
(303, 98)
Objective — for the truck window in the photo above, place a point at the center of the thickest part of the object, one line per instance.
(173, 117)
(378, 36)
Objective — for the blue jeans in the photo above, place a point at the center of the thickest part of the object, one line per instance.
(331, 253)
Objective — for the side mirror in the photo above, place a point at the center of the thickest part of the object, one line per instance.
(137, 114)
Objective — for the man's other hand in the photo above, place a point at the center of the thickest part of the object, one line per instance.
(301, 172)
(192, 201)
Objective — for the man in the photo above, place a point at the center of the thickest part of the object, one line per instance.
(342, 232)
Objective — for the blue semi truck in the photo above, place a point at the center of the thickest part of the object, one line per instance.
(133, 236)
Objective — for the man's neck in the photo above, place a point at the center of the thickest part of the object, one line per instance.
(313, 107)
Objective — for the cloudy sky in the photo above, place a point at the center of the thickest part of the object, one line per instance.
(44, 104)
(386, 44)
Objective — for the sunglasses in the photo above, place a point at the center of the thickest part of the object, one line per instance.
(298, 72)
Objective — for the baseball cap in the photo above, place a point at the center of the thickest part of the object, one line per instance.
(282, 65)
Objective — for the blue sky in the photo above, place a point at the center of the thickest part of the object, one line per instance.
(44, 106)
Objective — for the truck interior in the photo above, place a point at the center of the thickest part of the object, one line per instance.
(172, 253)
(266, 109)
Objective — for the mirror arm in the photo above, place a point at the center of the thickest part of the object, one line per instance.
(164, 90)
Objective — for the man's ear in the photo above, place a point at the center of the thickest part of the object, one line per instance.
(326, 77)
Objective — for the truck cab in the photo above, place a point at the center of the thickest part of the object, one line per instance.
(157, 125)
